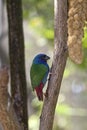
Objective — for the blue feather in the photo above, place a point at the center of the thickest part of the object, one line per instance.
(40, 60)
(38, 73)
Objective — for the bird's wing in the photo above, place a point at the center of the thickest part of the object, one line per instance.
(37, 74)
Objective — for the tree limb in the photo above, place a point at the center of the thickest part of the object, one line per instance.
(7, 118)
(17, 60)
(58, 66)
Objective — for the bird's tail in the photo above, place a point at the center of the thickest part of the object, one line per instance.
(39, 92)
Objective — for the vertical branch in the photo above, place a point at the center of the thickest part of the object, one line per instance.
(1, 5)
(17, 60)
(7, 117)
(58, 66)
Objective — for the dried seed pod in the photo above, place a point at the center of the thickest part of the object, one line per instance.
(77, 16)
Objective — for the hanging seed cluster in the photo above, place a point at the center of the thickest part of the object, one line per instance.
(77, 16)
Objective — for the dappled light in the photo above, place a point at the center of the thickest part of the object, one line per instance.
(38, 25)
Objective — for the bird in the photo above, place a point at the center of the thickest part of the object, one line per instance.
(38, 74)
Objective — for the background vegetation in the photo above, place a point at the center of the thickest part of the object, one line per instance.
(71, 110)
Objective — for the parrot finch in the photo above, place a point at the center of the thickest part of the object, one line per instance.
(38, 74)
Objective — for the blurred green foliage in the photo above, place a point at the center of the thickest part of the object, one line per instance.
(33, 122)
(84, 40)
(39, 14)
(84, 44)
(40, 17)
(66, 110)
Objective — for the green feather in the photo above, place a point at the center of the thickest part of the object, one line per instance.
(37, 74)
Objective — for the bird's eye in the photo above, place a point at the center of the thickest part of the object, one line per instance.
(44, 56)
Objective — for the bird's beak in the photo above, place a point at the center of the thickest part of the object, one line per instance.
(47, 58)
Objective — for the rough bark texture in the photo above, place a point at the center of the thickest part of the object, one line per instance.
(59, 62)
(1, 12)
(7, 120)
(17, 59)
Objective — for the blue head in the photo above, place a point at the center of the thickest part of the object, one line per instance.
(41, 59)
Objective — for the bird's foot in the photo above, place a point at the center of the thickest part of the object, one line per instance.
(45, 94)
(50, 73)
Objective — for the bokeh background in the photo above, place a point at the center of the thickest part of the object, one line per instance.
(38, 24)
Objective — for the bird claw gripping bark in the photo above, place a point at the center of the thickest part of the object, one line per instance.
(45, 94)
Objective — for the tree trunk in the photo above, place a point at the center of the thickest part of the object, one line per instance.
(17, 59)
(59, 62)
(1, 5)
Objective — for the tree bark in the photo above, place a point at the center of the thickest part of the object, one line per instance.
(58, 66)
(7, 117)
(17, 61)
(1, 12)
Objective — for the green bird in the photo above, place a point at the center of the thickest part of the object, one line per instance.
(38, 74)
